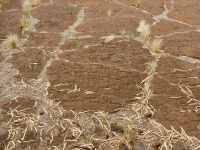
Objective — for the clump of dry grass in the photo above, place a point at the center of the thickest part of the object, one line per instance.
(142, 23)
(138, 4)
(144, 30)
(12, 40)
(123, 32)
(149, 68)
(27, 6)
(24, 21)
(78, 45)
(109, 13)
(130, 36)
(109, 38)
(157, 44)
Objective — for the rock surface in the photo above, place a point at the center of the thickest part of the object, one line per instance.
(65, 59)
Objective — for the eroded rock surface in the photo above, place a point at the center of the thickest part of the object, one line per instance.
(63, 76)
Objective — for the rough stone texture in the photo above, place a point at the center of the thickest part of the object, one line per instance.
(105, 76)
(124, 55)
(171, 103)
(13, 4)
(118, 10)
(72, 2)
(10, 23)
(179, 71)
(43, 40)
(1, 58)
(30, 63)
(155, 7)
(127, 19)
(111, 86)
(183, 10)
(88, 41)
(50, 17)
(107, 26)
(172, 27)
(185, 44)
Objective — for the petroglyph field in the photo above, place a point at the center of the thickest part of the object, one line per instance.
(100, 75)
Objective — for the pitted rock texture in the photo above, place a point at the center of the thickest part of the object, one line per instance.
(107, 26)
(170, 100)
(50, 17)
(67, 51)
(43, 40)
(183, 10)
(1, 58)
(184, 44)
(30, 63)
(172, 28)
(10, 23)
(12, 5)
(125, 55)
(111, 87)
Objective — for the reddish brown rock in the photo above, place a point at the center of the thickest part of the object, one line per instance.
(179, 71)
(125, 55)
(99, 10)
(1, 57)
(11, 5)
(118, 21)
(104, 77)
(30, 63)
(111, 87)
(10, 23)
(88, 41)
(180, 11)
(43, 40)
(50, 17)
(155, 7)
(73, 2)
(186, 44)
(170, 103)
(23, 103)
(167, 27)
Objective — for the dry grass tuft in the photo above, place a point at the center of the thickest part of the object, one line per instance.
(12, 40)
(138, 4)
(109, 13)
(142, 23)
(109, 38)
(157, 44)
(24, 21)
(130, 36)
(144, 30)
(123, 32)
(27, 6)
(78, 45)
